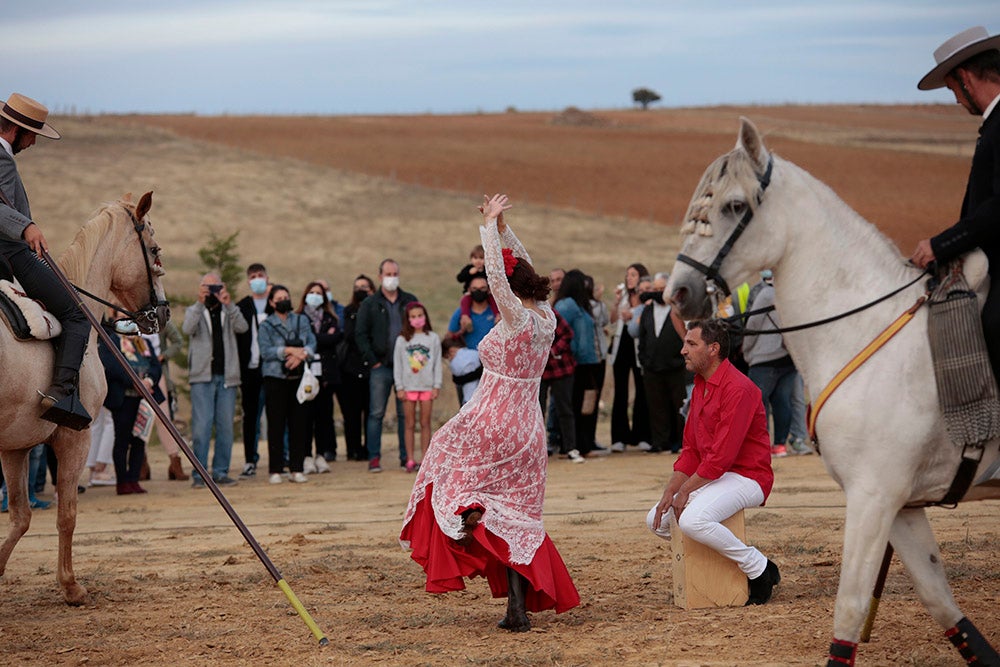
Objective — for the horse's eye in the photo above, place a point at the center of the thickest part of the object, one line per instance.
(736, 208)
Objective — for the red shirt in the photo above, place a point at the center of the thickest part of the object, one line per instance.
(561, 362)
(726, 429)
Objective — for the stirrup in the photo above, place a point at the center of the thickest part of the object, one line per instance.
(68, 411)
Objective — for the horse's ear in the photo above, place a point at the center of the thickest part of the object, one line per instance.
(142, 208)
(751, 141)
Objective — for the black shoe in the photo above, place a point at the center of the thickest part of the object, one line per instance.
(225, 480)
(761, 587)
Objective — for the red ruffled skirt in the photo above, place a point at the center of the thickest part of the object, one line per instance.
(447, 563)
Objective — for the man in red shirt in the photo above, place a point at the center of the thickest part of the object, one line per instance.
(725, 464)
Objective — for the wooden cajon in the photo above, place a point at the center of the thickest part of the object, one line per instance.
(702, 576)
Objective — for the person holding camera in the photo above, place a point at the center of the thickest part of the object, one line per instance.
(212, 323)
(287, 346)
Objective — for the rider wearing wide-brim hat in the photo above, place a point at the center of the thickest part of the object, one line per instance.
(22, 120)
(969, 65)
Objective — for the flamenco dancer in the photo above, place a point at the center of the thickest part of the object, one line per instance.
(476, 506)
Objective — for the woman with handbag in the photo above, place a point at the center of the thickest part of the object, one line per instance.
(326, 326)
(287, 345)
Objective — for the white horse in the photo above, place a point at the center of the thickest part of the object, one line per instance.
(113, 255)
(882, 434)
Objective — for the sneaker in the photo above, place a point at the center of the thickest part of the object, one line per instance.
(799, 447)
(309, 466)
(299, 478)
(374, 465)
(249, 470)
(321, 464)
(574, 456)
(411, 466)
(197, 483)
(225, 480)
(276, 478)
(778, 451)
(644, 446)
(618, 447)
(762, 586)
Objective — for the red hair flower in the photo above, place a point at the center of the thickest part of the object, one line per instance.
(509, 261)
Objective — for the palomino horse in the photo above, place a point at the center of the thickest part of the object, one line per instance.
(882, 433)
(113, 255)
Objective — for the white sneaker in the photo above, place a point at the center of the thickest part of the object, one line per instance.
(321, 465)
(644, 446)
(618, 447)
(276, 478)
(309, 465)
(574, 456)
(299, 478)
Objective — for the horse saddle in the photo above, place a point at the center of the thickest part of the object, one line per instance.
(26, 318)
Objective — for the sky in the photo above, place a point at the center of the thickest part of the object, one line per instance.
(426, 56)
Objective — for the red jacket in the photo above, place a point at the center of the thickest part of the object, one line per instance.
(726, 429)
(561, 362)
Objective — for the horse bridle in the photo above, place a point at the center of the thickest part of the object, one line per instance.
(713, 278)
(150, 313)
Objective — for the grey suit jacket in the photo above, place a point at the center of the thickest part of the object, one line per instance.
(12, 220)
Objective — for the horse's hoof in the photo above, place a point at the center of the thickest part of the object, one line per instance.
(75, 595)
(518, 624)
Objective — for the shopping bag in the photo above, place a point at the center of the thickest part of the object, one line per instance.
(308, 386)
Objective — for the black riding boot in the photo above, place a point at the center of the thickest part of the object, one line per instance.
(61, 401)
(516, 619)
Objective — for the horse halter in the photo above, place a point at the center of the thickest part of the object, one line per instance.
(713, 279)
(151, 312)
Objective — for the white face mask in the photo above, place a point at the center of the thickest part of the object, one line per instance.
(390, 283)
(314, 300)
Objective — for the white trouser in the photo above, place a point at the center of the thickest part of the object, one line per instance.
(102, 438)
(704, 513)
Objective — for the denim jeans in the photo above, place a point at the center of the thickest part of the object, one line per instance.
(798, 429)
(380, 386)
(213, 404)
(776, 383)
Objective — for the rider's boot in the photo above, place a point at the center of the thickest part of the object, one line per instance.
(61, 401)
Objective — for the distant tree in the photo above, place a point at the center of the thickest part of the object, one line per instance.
(645, 97)
(219, 255)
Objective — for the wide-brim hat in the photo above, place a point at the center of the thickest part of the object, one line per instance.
(29, 114)
(956, 51)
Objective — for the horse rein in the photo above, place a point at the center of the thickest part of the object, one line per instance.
(731, 321)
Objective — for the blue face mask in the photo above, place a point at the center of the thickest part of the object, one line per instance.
(258, 285)
(314, 300)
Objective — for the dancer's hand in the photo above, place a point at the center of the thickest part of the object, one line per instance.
(493, 207)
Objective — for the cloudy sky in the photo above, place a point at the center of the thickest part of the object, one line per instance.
(413, 56)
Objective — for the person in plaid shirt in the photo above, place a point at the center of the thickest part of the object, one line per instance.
(557, 380)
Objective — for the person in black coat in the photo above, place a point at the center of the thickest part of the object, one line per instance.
(326, 325)
(663, 373)
(123, 401)
(352, 394)
(969, 65)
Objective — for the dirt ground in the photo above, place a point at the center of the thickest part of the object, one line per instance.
(171, 580)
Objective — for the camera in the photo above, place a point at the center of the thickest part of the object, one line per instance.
(214, 289)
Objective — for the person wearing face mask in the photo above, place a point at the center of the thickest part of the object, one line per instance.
(661, 337)
(380, 320)
(352, 393)
(475, 316)
(252, 307)
(326, 325)
(212, 323)
(287, 346)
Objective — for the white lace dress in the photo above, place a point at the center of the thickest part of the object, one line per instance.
(492, 455)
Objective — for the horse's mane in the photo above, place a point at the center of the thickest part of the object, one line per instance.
(738, 166)
(76, 259)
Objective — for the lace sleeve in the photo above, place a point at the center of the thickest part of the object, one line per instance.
(511, 241)
(511, 309)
